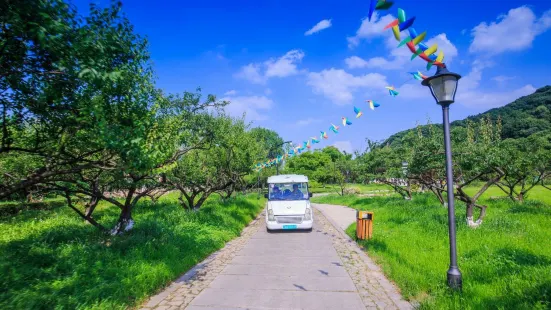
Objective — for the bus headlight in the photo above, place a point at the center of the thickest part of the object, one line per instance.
(271, 216)
(308, 214)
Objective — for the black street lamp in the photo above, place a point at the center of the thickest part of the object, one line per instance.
(443, 86)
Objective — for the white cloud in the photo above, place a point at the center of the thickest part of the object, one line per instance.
(338, 85)
(514, 31)
(251, 73)
(324, 24)
(254, 107)
(268, 91)
(230, 93)
(371, 29)
(375, 62)
(344, 146)
(284, 66)
(500, 79)
(308, 121)
(355, 62)
(259, 73)
(471, 81)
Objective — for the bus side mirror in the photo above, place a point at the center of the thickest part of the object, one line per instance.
(265, 195)
(310, 195)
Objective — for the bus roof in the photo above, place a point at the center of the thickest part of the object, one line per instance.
(288, 178)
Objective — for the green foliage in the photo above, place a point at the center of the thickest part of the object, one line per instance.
(527, 164)
(80, 111)
(271, 142)
(223, 162)
(51, 259)
(504, 264)
(333, 152)
(74, 99)
(315, 165)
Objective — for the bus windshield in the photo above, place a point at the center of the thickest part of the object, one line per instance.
(288, 191)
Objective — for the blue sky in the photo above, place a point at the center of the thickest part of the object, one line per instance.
(261, 56)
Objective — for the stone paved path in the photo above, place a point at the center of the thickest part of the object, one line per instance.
(340, 216)
(323, 269)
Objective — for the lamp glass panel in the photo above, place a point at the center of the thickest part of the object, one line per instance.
(443, 88)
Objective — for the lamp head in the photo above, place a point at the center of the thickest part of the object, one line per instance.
(443, 85)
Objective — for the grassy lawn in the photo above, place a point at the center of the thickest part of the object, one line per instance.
(52, 259)
(505, 263)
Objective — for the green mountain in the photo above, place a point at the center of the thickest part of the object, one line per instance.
(525, 116)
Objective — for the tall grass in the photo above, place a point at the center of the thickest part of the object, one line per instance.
(52, 259)
(506, 263)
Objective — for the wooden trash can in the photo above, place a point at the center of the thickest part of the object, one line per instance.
(364, 225)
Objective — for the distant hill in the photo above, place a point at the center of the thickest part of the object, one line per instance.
(520, 118)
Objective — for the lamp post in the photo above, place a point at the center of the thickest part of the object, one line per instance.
(271, 155)
(443, 86)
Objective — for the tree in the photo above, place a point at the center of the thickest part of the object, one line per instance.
(383, 164)
(271, 145)
(479, 159)
(45, 91)
(333, 152)
(230, 156)
(82, 109)
(67, 98)
(342, 171)
(426, 160)
(138, 167)
(312, 164)
(527, 164)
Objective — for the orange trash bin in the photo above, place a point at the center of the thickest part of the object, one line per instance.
(364, 225)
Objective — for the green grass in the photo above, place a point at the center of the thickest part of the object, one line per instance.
(53, 260)
(505, 262)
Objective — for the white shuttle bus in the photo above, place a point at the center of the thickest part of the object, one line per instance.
(288, 203)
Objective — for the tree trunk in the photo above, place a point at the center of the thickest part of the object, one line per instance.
(438, 194)
(200, 202)
(520, 197)
(470, 217)
(408, 193)
(89, 219)
(125, 222)
(229, 192)
(404, 192)
(188, 203)
(91, 206)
